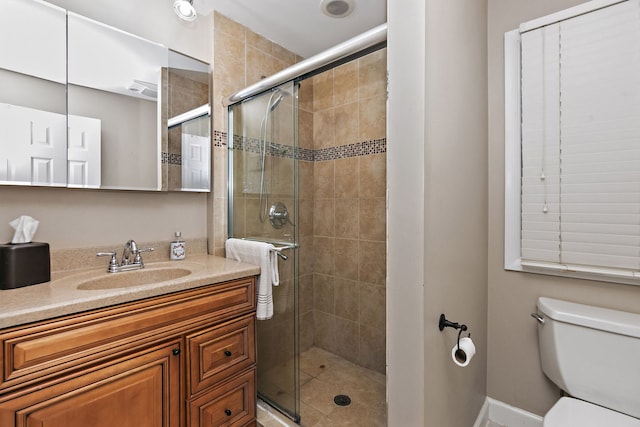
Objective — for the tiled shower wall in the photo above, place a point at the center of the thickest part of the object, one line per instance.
(349, 211)
(342, 216)
(240, 58)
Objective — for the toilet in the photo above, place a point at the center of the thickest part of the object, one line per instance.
(593, 354)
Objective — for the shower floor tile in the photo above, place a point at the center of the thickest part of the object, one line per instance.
(327, 375)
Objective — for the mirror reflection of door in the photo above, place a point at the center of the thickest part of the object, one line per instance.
(196, 154)
(33, 98)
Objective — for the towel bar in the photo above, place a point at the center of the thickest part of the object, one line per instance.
(278, 246)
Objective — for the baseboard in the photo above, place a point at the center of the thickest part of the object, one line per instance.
(483, 415)
(506, 415)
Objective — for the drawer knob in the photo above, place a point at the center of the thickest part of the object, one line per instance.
(175, 351)
(227, 412)
(227, 353)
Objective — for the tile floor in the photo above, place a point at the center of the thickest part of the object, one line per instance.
(324, 375)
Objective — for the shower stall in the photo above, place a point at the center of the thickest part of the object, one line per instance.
(307, 165)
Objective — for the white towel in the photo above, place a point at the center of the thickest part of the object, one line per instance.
(264, 255)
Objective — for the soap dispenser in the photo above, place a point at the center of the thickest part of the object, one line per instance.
(178, 247)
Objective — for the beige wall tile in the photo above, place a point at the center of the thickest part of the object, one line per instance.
(307, 184)
(347, 299)
(372, 75)
(305, 95)
(323, 293)
(305, 299)
(306, 253)
(283, 54)
(323, 91)
(347, 255)
(347, 181)
(345, 83)
(371, 299)
(324, 180)
(372, 262)
(373, 348)
(259, 65)
(305, 217)
(324, 134)
(323, 217)
(259, 42)
(347, 342)
(324, 330)
(372, 114)
(346, 124)
(373, 219)
(305, 129)
(225, 25)
(347, 218)
(307, 330)
(373, 175)
(324, 254)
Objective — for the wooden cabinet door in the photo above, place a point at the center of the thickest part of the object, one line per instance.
(142, 390)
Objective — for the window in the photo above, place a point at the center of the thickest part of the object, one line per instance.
(573, 143)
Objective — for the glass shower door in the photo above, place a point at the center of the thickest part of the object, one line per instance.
(263, 205)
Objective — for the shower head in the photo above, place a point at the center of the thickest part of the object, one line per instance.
(276, 102)
(279, 95)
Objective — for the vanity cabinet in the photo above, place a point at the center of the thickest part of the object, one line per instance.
(183, 359)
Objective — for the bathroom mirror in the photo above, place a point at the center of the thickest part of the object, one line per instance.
(113, 81)
(87, 105)
(33, 128)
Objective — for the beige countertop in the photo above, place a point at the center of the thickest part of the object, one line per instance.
(64, 295)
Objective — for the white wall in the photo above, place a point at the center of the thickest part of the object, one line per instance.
(405, 216)
(437, 183)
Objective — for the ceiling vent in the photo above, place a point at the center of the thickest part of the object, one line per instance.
(336, 8)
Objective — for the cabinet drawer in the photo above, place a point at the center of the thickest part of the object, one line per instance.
(231, 405)
(220, 352)
(47, 348)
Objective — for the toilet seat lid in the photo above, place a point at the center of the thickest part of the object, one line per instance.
(574, 412)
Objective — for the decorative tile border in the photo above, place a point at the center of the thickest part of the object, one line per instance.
(275, 149)
(171, 158)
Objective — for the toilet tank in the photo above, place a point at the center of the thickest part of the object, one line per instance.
(592, 353)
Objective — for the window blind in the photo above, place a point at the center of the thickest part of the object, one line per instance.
(580, 95)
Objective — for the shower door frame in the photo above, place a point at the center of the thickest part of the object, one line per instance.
(291, 411)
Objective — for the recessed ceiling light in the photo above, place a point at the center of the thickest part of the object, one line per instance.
(184, 9)
(336, 8)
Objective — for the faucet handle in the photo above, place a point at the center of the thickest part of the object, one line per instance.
(113, 262)
(138, 259)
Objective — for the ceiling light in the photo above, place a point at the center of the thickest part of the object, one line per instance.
(336, 8)
(184, 9)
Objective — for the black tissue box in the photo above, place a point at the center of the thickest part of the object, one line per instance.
(24, 264)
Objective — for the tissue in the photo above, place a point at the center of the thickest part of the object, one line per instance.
(462, 352)
(25, 227)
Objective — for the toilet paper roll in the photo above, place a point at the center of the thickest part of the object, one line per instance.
(463, 355)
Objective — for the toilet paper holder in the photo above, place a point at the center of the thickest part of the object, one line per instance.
(444, 323)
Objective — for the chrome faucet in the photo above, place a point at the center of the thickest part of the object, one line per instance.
(130, 248)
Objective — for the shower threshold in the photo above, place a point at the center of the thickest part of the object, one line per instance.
(268, 416)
